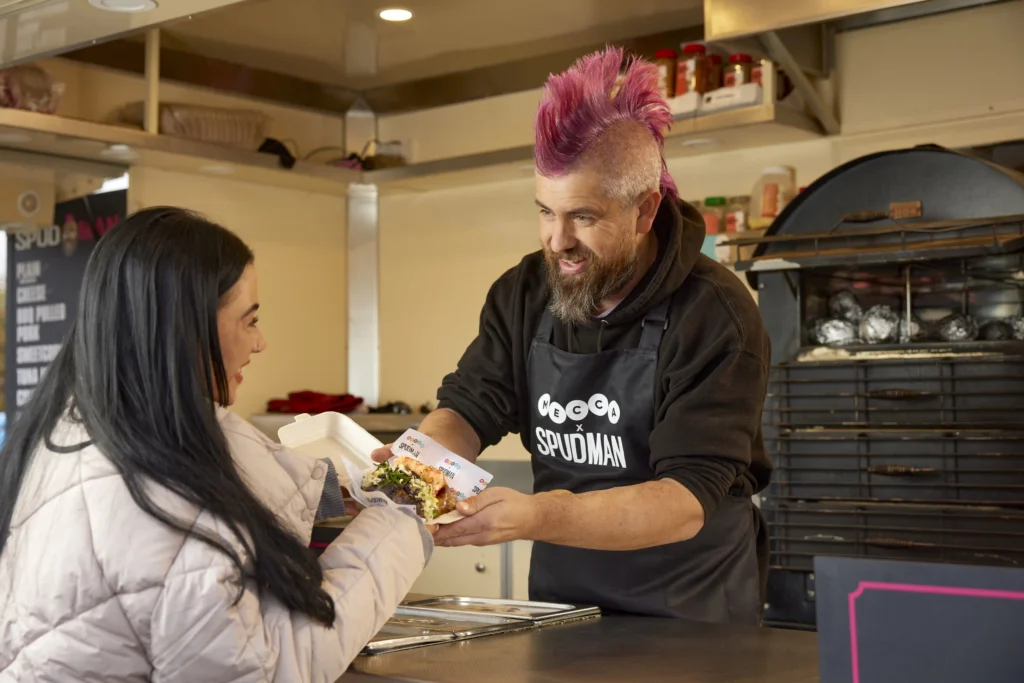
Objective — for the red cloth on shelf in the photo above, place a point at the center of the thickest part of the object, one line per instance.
(314, 403)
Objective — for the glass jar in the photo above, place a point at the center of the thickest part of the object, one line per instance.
(691, 69)
(665, 60)
(714, 73)
(714, 215)
(736, 212)
(738, 71)
(773, 190)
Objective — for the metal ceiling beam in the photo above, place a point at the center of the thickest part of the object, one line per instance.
(500, 79)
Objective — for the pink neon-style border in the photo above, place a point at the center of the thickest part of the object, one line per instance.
(912, 588)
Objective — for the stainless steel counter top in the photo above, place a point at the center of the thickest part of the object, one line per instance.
(608, 649)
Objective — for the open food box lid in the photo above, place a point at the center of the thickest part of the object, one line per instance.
(334, 436)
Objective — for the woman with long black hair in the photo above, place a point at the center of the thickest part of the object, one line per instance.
(146, 533)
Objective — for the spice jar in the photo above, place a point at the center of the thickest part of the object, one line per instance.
(739, 70)
(665, 60)
(691, 70)
(714, 215)
(714, 73)
(736, 212)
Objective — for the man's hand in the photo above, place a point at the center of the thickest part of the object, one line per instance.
(494, 516)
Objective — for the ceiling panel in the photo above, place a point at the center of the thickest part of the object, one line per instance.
(314, 39)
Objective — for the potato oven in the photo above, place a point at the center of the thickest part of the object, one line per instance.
(892, 292)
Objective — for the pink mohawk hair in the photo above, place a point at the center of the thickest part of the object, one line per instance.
(577, 107)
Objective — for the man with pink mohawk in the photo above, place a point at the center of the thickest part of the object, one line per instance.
(633, 367)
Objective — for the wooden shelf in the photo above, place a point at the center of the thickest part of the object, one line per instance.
(741, 128)
(119, 146)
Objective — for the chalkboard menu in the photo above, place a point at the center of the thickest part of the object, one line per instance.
(45, 269)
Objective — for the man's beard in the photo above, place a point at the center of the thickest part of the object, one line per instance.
(576, 298)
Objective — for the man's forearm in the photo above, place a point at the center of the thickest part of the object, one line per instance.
(625, 518)
(451, 430)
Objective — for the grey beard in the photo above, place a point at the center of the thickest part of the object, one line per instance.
(574, 303)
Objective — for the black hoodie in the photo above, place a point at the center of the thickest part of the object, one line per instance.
(712, 364)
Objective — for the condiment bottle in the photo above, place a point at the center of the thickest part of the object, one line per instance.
(736, 212)
(714, 215)
(714, 73)
(773, 190)
(666, 63)
(691, 70)
(738, 71)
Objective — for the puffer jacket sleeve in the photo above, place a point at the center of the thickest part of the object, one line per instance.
(199, 632)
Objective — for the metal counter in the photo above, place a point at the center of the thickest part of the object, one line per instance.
(608, 649)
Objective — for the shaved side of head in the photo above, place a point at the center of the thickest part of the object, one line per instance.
(628, 159)
(583, 122)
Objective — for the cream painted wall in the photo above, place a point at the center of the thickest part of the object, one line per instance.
(299, 241)
(439, 254)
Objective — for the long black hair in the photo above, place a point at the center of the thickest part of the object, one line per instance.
(140, 370)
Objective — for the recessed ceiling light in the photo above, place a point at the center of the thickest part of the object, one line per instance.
(15, 138)
(395, 14)
(119, 152)
(217, 169)
(698, 143)
(125, 5)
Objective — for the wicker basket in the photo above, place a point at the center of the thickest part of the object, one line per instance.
(241, 129)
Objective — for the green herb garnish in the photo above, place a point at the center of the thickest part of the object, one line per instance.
(393, 476)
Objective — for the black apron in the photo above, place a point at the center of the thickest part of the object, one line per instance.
(591, 420)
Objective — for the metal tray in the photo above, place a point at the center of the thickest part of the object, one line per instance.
(534, 612)
(462, 624)
(415, 627)
(393, 637)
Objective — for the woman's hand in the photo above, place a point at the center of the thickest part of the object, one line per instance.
(352, 508)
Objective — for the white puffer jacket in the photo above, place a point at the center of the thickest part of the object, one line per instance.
(94, 589)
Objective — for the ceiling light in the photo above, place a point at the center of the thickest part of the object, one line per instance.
(15, 138)
(698, 143)
(124, 5)
(119, 152)
(217, 169)
(395, 14)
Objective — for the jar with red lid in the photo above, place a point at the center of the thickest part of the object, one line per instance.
(692, 69)
(665, 60)
(738, 71)
(714, 73)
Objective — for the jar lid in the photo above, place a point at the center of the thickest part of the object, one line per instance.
(777, 170)
(694, 48)
(665, 54)
(714, 201)
(740, 58)
(715, 59)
